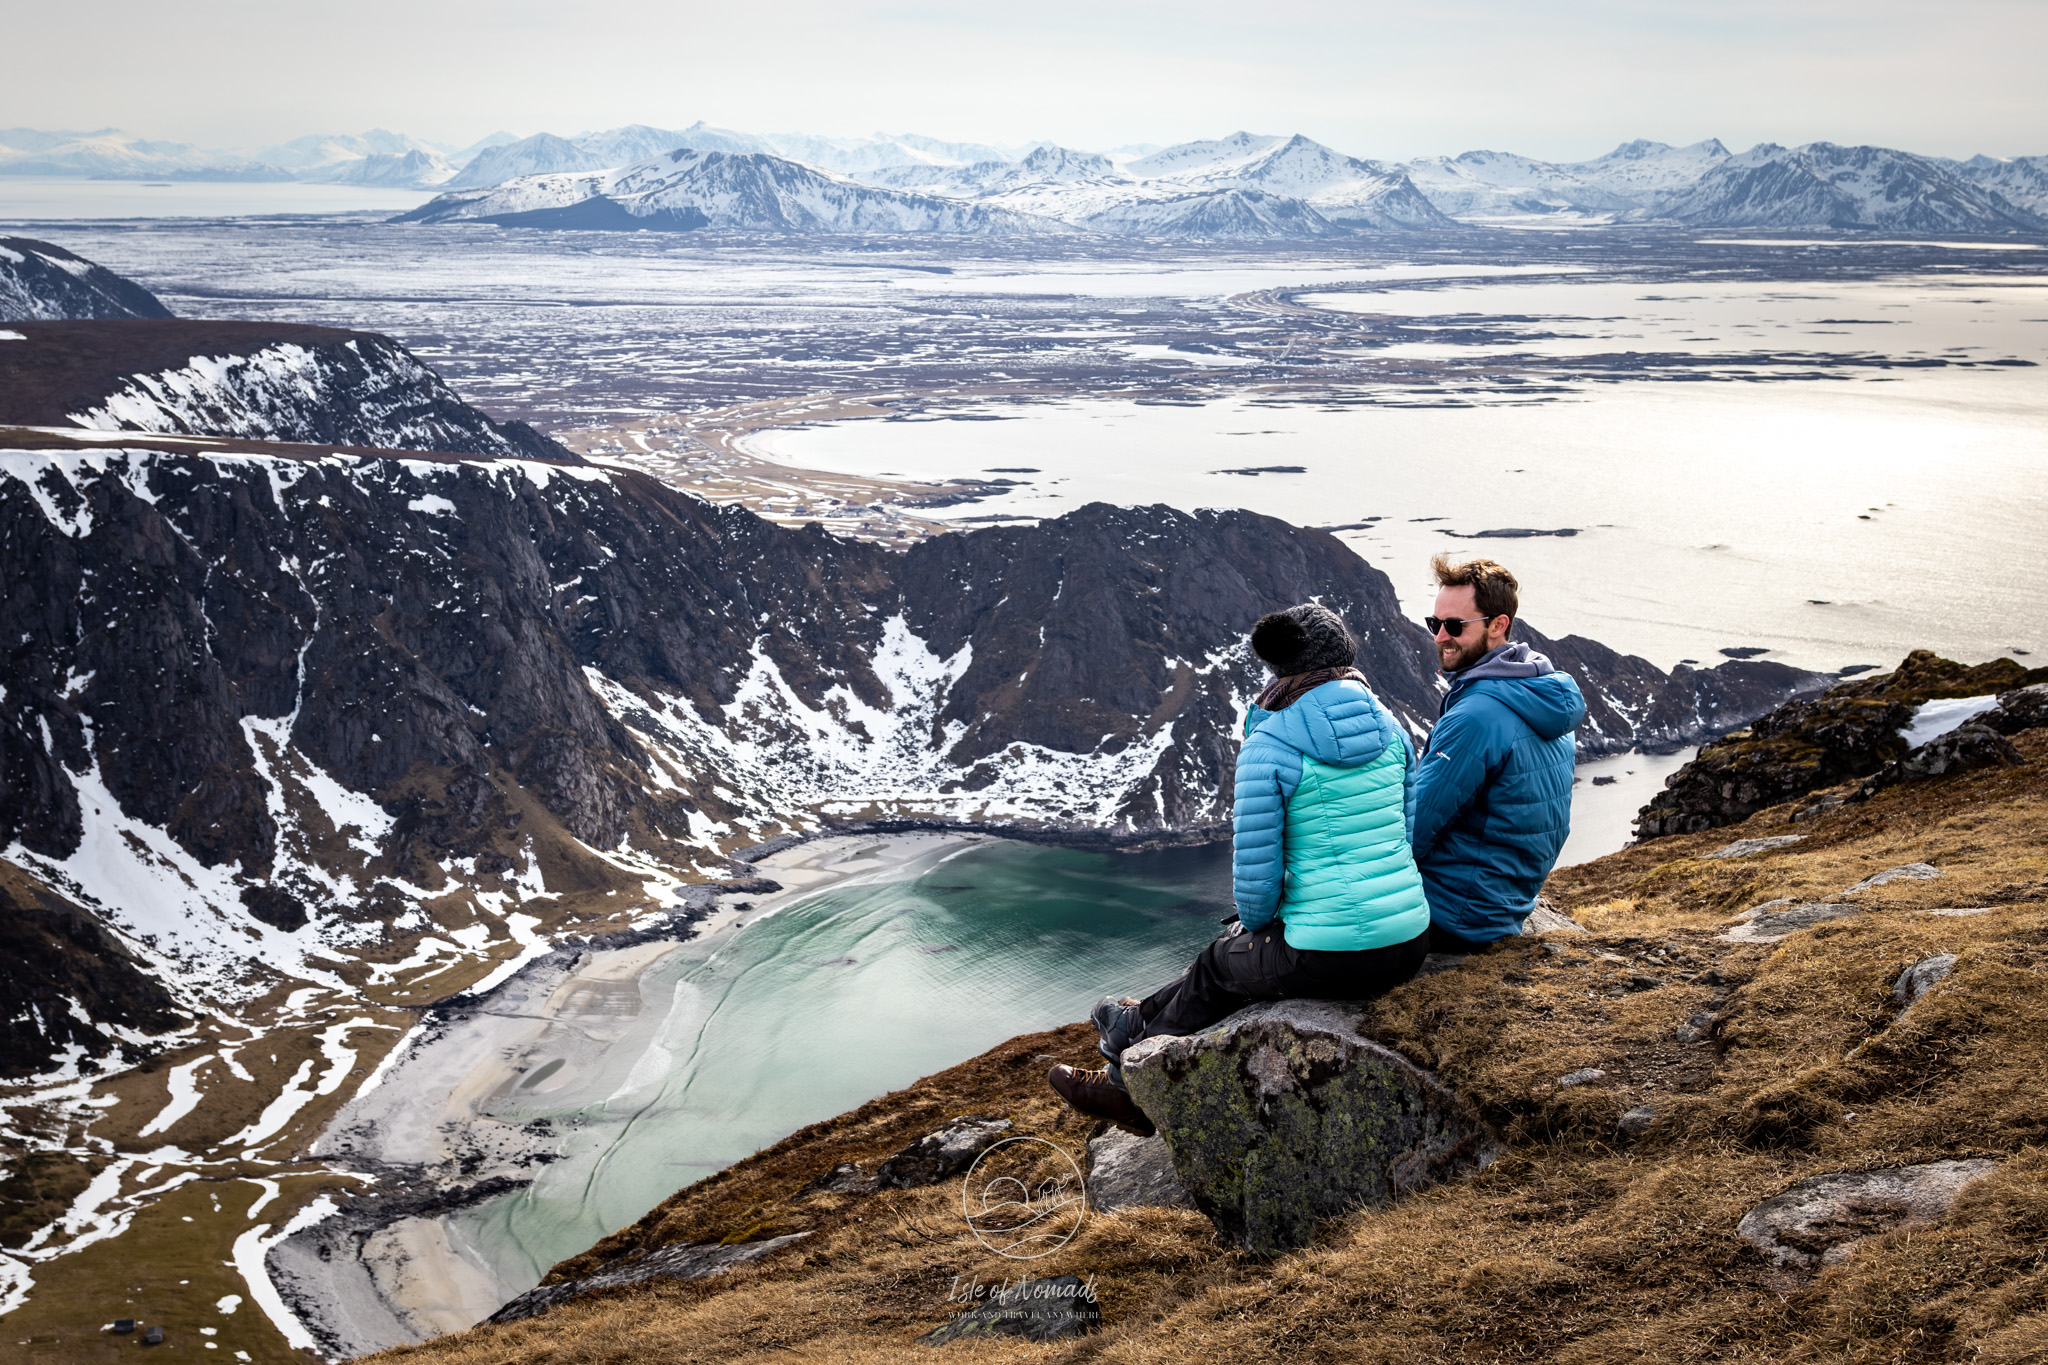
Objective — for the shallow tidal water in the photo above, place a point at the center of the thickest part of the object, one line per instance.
(1840, 516)
(814, 1008)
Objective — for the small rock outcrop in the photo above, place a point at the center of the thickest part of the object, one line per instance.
(1773, 920)
(1283, 1115)
(683, 1261)
(1911, 872)
(1548, 919)
(2023, 708)
(1051, 1309)
(1922, 977)
(1749, 848)
(949, 1151)
(1127, 1171)
(932, 1158)
(1960, 750)
(1819, 1220)
(1852, 731)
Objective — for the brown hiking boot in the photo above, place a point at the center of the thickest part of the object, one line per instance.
(1094, 1093)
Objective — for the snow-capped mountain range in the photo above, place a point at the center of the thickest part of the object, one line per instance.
(1241, 187)
(2023, 180)
(377, 157)
(1245, 185)
(1484, 184)
(683, 190)
(1823, 185)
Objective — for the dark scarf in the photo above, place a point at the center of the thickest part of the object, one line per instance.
(1282, 693)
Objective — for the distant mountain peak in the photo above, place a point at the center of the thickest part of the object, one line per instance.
(1050, 162)
(1826, 185)
(1642, 147)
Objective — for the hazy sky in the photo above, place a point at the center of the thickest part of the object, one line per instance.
(1557, 80)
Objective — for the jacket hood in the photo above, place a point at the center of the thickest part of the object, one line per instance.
(1339, 723)
(1549, 702)
(1512, 660)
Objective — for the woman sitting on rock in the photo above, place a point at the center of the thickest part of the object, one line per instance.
(1329, 904)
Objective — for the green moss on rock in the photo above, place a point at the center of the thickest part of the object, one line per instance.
(1283, 1115)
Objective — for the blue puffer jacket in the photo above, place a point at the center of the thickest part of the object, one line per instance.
(1320, 823)
(1492, 801)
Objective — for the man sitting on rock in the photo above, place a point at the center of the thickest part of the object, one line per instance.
(1492, 798)
(1329, 902)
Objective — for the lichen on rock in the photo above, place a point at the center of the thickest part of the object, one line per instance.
(1284, 1115)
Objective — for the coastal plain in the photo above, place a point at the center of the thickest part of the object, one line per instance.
(1786, 441)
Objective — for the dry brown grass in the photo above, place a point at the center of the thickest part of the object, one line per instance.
(1581, 1245)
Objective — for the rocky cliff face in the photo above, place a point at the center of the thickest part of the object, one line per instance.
(324, 689)
(267, 381)
(68, 990)
(42, 283)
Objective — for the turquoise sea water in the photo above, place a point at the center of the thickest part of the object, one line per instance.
(829, 1001)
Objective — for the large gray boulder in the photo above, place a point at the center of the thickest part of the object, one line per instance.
(1283, 1115)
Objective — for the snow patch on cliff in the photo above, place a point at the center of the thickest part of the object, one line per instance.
(845, 756)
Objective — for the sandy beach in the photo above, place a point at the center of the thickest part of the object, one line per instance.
(396, 1267)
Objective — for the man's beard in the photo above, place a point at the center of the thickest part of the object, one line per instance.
(1468, 655)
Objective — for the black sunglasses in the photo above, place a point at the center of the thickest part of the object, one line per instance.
(1454, 626)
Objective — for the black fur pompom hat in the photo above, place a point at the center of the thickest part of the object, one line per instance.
(1302, 639)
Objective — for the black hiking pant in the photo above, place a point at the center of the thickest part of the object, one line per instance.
(1442, 940)
(1233, 972)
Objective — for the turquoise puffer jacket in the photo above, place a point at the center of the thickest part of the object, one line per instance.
(1320, 832)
